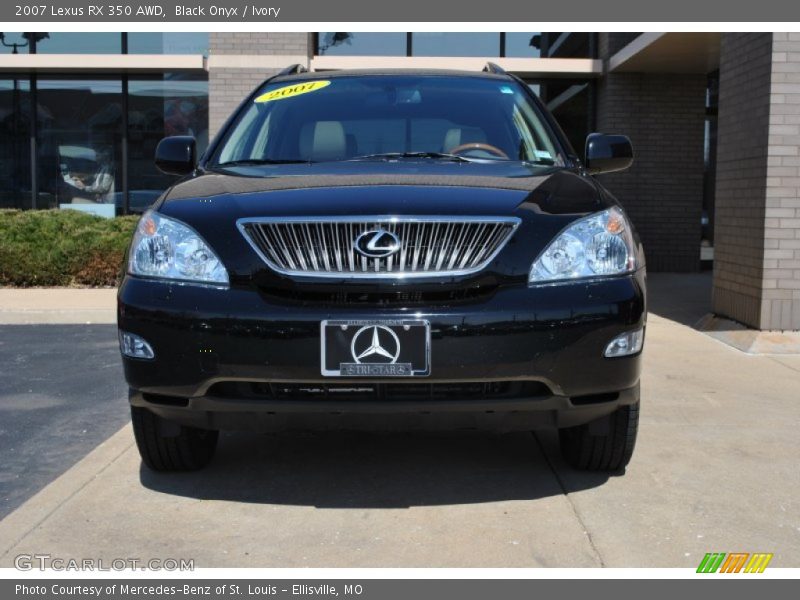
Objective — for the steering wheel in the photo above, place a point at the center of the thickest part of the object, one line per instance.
(479, 146)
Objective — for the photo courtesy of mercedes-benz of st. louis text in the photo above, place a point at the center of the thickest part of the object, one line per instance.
(386, 250)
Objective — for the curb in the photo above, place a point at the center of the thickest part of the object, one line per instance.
(37, 510)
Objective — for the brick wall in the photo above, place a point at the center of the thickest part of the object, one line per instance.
(254, 43)
(780, 306)
(742, 147)
(229, 81)
(757, 262)
(664, 117)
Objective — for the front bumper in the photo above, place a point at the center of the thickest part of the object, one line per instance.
(205, 337)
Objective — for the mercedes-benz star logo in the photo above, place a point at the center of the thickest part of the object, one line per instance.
(381, 346)
(377, 243)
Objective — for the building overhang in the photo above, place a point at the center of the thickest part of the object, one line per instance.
(668, 53)
(524, 67)
(115, 63)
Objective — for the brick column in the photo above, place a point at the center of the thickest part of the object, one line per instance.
(238, 62)
(757, 230)
(664, 116)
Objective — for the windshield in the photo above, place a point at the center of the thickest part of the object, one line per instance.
(389, 117)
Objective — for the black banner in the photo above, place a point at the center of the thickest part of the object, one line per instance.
(730, 588)
(239, 11)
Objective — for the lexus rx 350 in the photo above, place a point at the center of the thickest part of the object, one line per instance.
(391, 250)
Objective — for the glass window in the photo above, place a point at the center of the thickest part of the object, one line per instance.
(60, 42)
(15, 43)
(361, 44)
(79, 144)
(710, 170)
(15, 148)
(174, 104)
(455, 44)
(523, 45)
(570, 103)
(566, 45)
(184, 42)
(346, 117)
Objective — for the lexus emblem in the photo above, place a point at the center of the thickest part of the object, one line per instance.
(375, 343)
(377, 243)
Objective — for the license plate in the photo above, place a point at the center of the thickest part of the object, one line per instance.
(375, 348)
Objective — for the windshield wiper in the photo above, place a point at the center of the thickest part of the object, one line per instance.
(260, 161)
(395, 155)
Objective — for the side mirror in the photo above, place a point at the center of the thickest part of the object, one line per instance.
(175, 155)
(606, 153)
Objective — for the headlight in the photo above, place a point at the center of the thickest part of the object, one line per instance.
(168, 249)
(595, 246)
(625, 344)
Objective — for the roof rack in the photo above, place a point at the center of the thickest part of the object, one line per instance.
(293, 69)
(490, 67)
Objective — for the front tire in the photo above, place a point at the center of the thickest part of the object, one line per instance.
(166, 446)
(603, 445)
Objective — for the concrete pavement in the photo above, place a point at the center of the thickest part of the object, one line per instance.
(61, 393)
(715, 469)
(19, 306)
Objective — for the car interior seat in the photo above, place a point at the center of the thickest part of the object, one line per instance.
(323, 140)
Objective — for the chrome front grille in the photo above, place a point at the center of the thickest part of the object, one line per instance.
(421, 246)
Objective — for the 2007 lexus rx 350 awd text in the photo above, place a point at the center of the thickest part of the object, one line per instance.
(385, 249)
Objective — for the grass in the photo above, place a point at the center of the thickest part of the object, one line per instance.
(62, 248)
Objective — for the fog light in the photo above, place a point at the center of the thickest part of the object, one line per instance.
(135, 347)
(625, 344)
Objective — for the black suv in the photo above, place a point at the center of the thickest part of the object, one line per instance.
(390, 249)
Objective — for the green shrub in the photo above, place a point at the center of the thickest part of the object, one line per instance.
(62, 248)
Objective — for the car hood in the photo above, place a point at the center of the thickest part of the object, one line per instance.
(338, 188)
